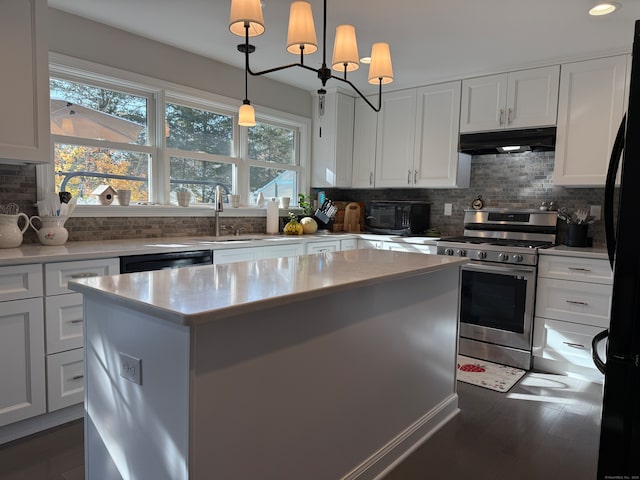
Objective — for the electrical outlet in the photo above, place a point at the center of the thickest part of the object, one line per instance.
(130, 368)
(447, 209)
(595, 212)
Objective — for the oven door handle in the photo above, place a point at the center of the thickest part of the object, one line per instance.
(501, 269)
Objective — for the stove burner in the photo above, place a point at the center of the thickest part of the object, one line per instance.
(501, 242)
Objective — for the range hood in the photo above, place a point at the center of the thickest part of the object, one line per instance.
(505, 141)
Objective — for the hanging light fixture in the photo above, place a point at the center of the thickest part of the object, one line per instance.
(246, 20)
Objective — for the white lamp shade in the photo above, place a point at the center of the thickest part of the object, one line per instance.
(302, 31)
(246, 115)
(380, 68)
(246, 12)
(345, 49)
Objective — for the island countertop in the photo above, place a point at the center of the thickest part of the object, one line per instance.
(193, 295)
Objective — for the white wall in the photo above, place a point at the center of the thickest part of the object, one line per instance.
(88, 40)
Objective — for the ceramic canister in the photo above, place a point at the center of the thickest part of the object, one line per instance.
(51, 230)
(10, 231)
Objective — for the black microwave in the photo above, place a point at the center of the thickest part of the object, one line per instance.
(397, 218)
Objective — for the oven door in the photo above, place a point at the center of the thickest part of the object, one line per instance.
(496, 304)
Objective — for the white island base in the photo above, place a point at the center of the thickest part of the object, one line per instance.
(334, 379)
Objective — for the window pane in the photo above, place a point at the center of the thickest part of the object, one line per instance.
(200, 178)
(81, 110)
(198, 130)
(272, 182)
(80, 170)
(268, 143)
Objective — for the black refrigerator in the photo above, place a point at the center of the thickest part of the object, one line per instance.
(619, 454)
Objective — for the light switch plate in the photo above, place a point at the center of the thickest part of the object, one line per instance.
(130, 368)
(595, 212)
(447, 209)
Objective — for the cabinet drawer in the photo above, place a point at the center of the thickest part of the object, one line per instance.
(57, 274)
(234, 255)
(65, 379)
(20, 281)
(277, 251)
(566, 342)
(575, 268)
(349, 244)
(579, 302)
(321, 247)
(63, 314)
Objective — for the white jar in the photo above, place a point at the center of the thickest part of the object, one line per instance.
(51, 230)
(10, 232)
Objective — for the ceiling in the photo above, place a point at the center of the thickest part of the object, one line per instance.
(430, 41)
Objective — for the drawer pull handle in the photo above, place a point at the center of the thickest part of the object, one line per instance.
(76, 321)
(578, 269)
(77, 377)
(574, 345)
(84, 275)
(577, 303)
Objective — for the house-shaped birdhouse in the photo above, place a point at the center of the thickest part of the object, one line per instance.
(105, 194)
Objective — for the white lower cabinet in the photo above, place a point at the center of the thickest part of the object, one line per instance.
(22, 373)
(234, 255)
(573, 304)
(64, 328)
(277, 251)
(65, 379)
(323, 246)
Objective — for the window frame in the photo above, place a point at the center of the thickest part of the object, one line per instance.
(159, 92)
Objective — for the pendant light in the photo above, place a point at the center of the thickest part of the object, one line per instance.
(246, 20)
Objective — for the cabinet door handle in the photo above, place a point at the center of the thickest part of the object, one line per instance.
(574, 345)
(579, 269)
(501, 116)
(415, 176)
(409, 177)
(76, 321)
(509, 112)
(77, 377)
(370, 178)
(574, 302)
(84, 275)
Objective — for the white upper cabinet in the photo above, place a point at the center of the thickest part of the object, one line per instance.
(437, 162)
(592, 103)
(417, 139)
(24, 96)
(364, 144)
(526, 98)
(395, 139)
(332, 144)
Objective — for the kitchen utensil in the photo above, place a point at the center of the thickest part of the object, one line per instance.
(9, 209)
(352, 217)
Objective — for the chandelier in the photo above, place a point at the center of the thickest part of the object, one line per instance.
(246, 20)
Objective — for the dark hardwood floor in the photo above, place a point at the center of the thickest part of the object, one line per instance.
(546, 427)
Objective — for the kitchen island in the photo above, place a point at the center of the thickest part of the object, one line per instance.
(324, 366)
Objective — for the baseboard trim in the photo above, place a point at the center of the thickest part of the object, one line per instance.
(23, 428)
(384, 460)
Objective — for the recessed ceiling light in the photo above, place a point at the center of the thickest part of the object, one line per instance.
(604, 8)
(365, 60)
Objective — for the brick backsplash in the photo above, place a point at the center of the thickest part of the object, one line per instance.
(517, 180)
(521, 180)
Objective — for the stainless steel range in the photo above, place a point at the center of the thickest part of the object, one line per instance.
(497, 294)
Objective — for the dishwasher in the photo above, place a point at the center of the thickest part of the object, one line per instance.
(163, 261)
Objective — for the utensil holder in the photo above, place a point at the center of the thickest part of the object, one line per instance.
(577, 235)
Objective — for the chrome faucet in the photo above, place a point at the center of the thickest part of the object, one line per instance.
(218, 208)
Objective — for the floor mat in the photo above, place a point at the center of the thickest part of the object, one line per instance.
(487, 374)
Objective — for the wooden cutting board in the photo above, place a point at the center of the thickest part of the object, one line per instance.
(352, 217)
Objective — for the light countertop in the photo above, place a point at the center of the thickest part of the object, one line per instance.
(598, 253)
(193, 295)
(70, 251)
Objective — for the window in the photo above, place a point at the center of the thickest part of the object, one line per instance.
(100, 136)
(156, 139)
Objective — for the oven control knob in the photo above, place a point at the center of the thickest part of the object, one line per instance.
(481, 255)
(503, 257)
(448, 251)
(517, 258)
(462, 253)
